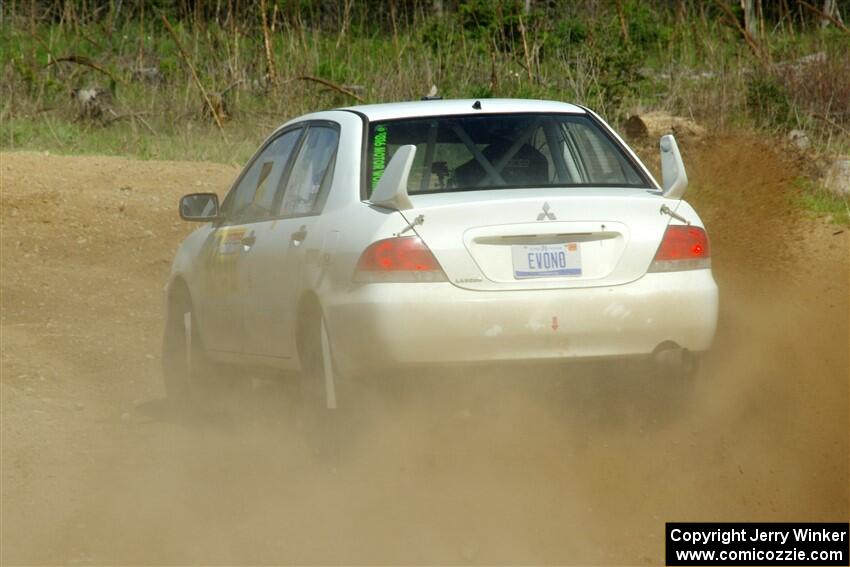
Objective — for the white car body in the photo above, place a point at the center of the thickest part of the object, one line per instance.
(248, 294)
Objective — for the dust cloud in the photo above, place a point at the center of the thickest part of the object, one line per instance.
(516, 464)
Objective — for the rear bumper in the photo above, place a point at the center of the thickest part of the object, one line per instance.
(392, 324)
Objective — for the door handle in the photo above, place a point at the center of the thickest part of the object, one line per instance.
(299, 235)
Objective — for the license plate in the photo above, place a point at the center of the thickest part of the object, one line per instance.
(546, 260)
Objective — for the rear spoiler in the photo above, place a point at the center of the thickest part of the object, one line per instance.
(391, 191)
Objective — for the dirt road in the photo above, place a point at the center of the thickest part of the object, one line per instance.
(492, 469)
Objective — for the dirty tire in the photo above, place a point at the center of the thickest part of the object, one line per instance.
(325, 427)
(191, 378)
(671, 392)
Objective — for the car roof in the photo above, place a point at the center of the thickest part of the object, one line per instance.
(415, 109)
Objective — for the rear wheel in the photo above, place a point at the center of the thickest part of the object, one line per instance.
(676, 368)
(673, 380)
(321, 409)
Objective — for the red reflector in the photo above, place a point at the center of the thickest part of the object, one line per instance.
(683, 243)
(404, 254)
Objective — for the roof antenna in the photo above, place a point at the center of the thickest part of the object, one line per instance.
(476, 105)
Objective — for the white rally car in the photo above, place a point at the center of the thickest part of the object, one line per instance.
(438, 232)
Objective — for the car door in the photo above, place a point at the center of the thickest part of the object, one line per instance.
(285, 246)
(251, 202)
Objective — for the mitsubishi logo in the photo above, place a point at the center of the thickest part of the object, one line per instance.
(546, 215)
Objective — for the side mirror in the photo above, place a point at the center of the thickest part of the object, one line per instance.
(391, 191)
(199, 207)
(674, 180)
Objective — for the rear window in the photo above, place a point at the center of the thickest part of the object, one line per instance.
(462, 153)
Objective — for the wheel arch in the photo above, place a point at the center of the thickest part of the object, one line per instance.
(177, 293)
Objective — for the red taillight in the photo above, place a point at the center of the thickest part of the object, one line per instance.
(683, 248)
(398, 259)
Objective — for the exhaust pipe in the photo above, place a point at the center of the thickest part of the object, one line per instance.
(675, 360)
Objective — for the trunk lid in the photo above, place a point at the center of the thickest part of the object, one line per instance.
(542, 239)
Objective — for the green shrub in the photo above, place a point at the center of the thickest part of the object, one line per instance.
(767, 101)
(647, 29)
(568, 33)
(480, 91)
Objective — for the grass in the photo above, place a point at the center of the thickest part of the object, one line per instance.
(189, 141)
(820, 202)
(698, 67)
